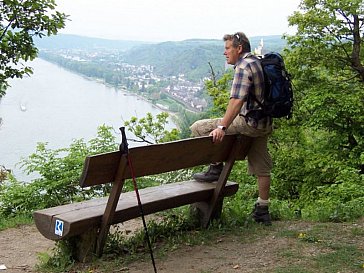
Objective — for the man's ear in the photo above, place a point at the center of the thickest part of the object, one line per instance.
(240, 49)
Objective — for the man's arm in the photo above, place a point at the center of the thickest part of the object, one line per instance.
(232, 110)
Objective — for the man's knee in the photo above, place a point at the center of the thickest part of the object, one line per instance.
(203, 127)
(194, 129)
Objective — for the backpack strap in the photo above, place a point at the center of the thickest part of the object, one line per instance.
(256, 114)
(256, 100)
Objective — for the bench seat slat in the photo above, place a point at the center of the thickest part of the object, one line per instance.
(79, 217)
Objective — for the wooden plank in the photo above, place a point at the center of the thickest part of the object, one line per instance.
(110, 206)
(218, 191)
(100, 169)
(79, 217)
(159, 158)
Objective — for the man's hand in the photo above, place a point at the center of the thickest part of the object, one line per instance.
(217, 135)
(232, 110)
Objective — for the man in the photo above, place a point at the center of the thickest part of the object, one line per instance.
(243, 115)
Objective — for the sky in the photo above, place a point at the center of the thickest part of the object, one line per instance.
(176, 20)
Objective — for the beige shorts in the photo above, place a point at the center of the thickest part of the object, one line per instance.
(259, 159)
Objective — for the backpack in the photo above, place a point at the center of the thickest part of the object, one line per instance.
(278, 93)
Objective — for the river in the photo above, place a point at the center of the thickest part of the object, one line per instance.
(57, 106)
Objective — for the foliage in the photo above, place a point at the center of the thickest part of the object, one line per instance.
(20, 21)
(190, 57)
(185, 120)
(168, 225)
(318, 154)
(59, 171)
(3, 173)
(313, 177)
(329, 28)
(151, 130)
(173, 58)
(326, 58)
(167, 58)
(219, 90)
(21, 219)
(60, 260)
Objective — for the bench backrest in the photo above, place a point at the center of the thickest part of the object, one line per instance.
(160, 158)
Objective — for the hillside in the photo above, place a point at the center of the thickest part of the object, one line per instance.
(189, 57)
(67, 41)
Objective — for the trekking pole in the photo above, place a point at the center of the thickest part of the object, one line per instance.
(124, 148)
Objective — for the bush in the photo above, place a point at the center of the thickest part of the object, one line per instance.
(59, 173)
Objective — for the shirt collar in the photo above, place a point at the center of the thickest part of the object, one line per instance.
(245, 55)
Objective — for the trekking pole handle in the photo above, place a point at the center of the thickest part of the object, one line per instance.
(124, 142)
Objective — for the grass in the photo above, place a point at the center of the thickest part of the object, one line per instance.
(325, 247)
(13, 222)
(287, 246)
(343, 256)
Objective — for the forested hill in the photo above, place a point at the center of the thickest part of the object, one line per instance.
(189, 57)
(67, 41)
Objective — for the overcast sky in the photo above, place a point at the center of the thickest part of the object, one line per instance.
(176, 20)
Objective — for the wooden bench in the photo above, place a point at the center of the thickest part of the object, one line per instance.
(88, 222)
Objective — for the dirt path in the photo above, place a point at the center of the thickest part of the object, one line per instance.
(19, 248)
(229, 253)
(262, 250)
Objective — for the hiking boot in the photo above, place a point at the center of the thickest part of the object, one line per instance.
(212, 174)
(260, 214)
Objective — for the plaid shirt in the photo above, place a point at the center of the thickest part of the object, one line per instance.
(249, 78)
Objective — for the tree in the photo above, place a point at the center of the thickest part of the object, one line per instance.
(326, 57)
(219, 91)
(150, 129)
(319, 154)
(331, 28)
(20, 21)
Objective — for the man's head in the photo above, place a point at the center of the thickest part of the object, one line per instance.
(235, 45)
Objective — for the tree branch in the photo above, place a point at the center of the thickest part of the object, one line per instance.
(350, 23)
(355, 56)
(213, 75)
(140, 141)
(339, 42)
(5, 30)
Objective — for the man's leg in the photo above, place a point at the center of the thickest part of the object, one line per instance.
(238, 126)
(260, 164)
(261, 208)
(264, 187)
(204, 128)
(259, 161)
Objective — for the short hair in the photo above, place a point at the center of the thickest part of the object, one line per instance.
(239, 38)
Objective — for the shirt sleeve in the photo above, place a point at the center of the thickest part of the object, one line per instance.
(242, 82)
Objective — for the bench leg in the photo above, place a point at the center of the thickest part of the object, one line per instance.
(84, 245)
(200, 212)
